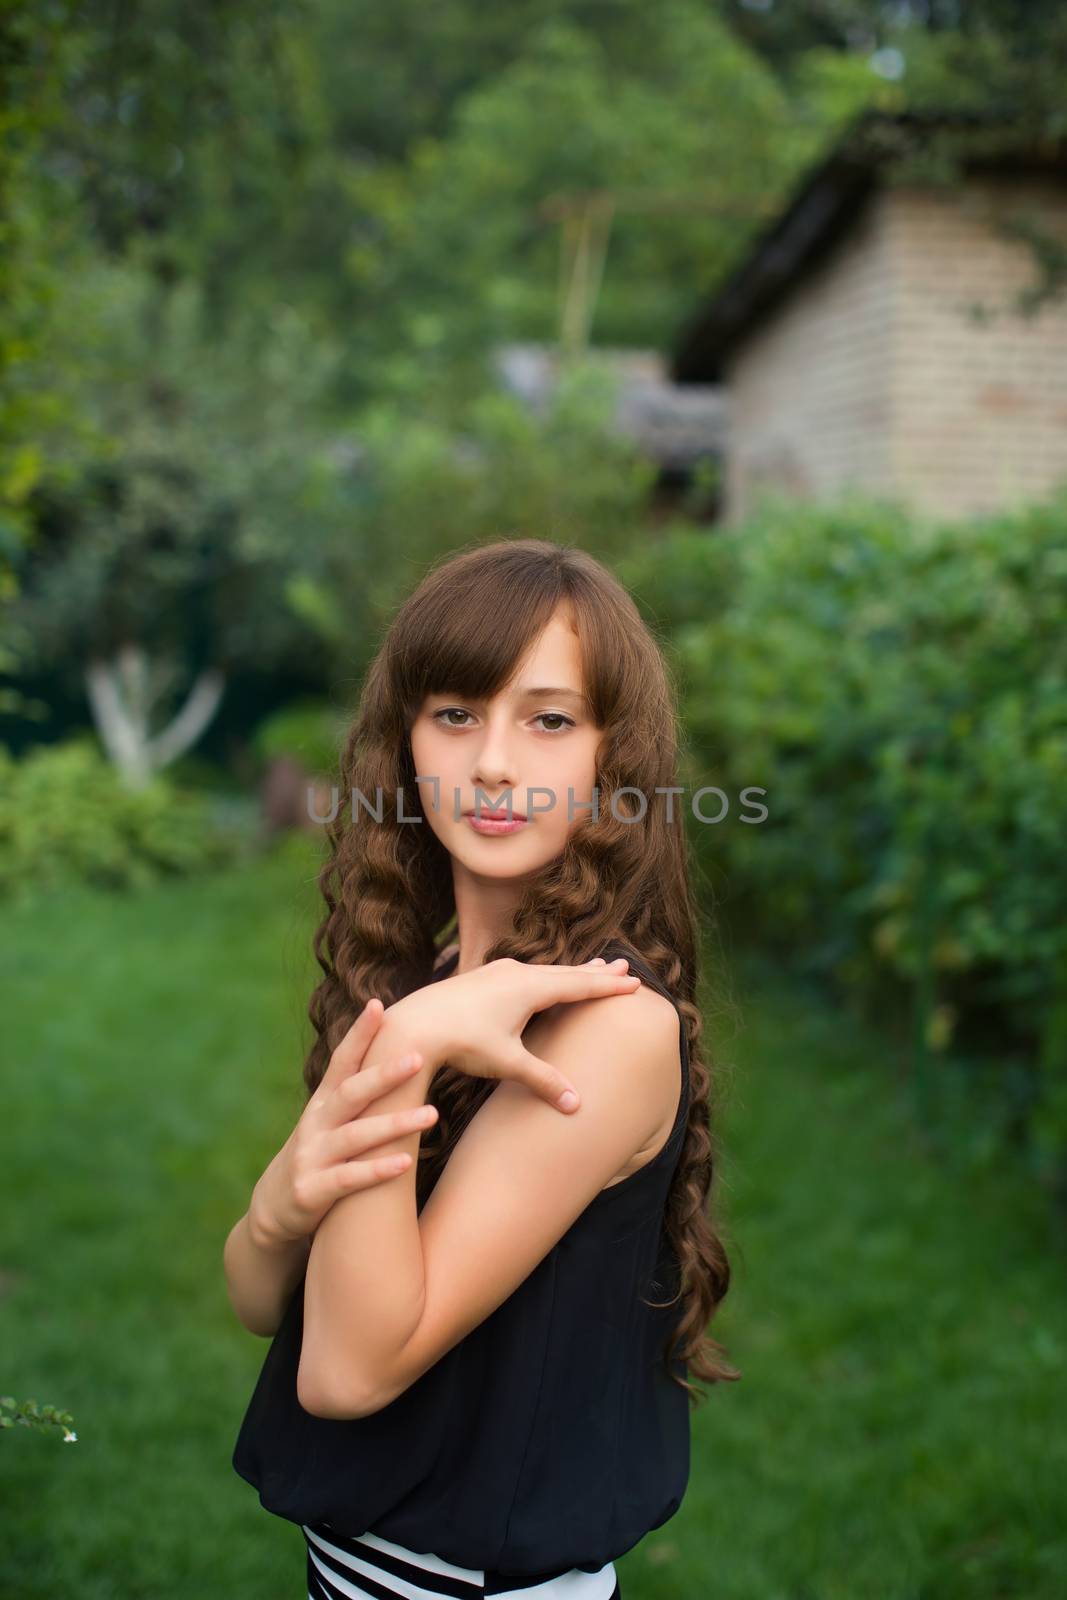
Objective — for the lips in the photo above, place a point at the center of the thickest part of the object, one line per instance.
(490, 814)
(492, 823)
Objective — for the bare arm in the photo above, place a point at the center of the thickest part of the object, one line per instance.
(332, 1150)
(365, 1266)
(389, 1292)
(261, 1274)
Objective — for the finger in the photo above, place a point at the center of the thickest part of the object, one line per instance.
(368, 1132)
(355, 1093)
(350, 1176)
(596, 968)
(546, 1081)
(614, 965)
(349, 1054)
(604, 978)
(582, 983)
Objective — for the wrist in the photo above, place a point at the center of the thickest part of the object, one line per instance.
(418, 1025)
(264, 1234)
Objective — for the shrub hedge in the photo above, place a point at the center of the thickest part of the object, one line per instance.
(898, 686)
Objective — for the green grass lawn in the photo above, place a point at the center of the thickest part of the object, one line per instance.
(901, 1328)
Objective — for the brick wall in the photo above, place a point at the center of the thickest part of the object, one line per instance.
(873, 373)
(979, 410)
(809, 401)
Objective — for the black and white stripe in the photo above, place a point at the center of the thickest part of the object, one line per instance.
(343, 1566)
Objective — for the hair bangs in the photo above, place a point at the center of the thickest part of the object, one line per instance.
(472, 630)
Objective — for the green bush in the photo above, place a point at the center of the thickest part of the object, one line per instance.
(66, 816)
(899, 688)
(309, 730)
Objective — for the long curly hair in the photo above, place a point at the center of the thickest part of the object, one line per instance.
(388, 888)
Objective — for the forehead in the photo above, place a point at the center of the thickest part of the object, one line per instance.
(554, 652)
(553, 661)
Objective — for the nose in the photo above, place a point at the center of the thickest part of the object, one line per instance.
(493, 766)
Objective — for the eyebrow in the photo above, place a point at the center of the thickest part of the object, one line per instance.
(534, 691)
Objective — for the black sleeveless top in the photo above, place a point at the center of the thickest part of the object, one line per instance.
(550, 1437)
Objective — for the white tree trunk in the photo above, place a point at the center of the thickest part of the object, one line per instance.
(122, 693)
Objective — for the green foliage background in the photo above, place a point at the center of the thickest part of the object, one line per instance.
(255, 262)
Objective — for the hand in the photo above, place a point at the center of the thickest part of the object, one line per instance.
(321, 1159)
(476, 1019)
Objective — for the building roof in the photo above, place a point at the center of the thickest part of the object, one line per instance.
(673, 426)
(821, 211)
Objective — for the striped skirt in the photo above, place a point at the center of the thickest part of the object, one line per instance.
(342, 1566)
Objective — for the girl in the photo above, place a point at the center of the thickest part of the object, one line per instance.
(485, 1253)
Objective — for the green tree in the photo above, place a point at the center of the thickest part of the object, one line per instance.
(597, 184)
(173, 531)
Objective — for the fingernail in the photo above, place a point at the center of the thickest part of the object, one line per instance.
(568, 1100)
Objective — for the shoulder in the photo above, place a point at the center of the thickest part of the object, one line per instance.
(635, 1035)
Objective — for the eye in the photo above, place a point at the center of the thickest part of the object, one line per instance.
(558, 718)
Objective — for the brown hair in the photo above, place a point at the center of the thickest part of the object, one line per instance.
(388, 886)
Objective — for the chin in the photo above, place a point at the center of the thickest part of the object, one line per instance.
(491, 858)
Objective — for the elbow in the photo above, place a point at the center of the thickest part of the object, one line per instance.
(262, 1330)
(263, 1327)
(320, 1398)
(252, 1324)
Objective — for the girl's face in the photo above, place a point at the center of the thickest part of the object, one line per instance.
(536, 734)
